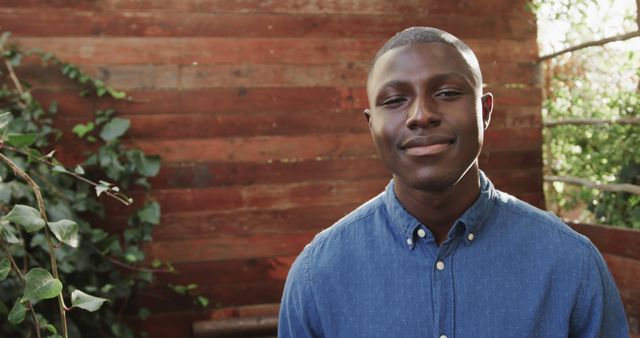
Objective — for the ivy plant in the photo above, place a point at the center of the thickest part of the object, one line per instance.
(61, 273)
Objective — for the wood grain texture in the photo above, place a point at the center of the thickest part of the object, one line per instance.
(126, 22)
(318, 7)
(200, 51)
(256, 109)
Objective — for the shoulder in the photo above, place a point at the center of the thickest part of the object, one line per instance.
(347, 229)
(335, 247)
(543, 227)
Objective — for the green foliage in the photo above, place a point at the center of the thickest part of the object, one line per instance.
(597, 83)
(39, 285)
(63, 238)
(86, 301)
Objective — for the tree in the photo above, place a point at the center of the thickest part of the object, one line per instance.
(591, 109)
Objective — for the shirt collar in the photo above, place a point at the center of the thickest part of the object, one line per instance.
(471, 220)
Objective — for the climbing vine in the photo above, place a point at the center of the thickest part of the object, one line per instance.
(61, 273)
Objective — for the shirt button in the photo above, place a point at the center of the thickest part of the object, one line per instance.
(421, 233)
(409, 241)
(440, 265)
(443, 336)
(470, 236)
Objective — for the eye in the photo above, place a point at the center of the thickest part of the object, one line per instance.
(392, 101)
(448, 93)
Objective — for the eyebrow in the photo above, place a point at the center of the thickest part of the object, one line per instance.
(437, 77)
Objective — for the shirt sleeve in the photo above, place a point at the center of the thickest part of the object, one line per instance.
(298, 312)
(598, 312)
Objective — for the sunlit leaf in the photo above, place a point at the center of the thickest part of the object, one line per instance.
(39, 284)
(5, 268)
(26, 216)
(83, 129)
(21, 140)
(150, 213)
(86, 301)
(17, 313)
(66, 231)
(114, 129)
(4, 124)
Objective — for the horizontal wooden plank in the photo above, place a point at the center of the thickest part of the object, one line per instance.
(201, 175)
(222, 100)
(63, 22)
(218, 272)
(226, 248)
(186, 77)
(169, 324)
(178, 225)
(213, 100)
(626, 272)
(268, 196)
(612, 240)
(198, 50)
(162, 300)
(410, 7)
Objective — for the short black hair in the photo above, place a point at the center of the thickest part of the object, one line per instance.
(415, 35)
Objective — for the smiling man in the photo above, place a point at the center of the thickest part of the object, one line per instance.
(441, 253)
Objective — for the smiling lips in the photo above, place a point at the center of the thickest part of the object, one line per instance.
(428, 145)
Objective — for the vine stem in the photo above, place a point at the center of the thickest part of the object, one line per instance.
(36, 323)
(116, 195)
(54, 266)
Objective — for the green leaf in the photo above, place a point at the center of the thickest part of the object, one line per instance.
(8, 234)
(86, 301)
(114, 129)
(150, 213)
(132, 254)
(100, 189)
(202, 301)
(148, 166)
(83, 129)
(17, 313)
(5, 268)
(49, 327)
(59, 169)
(78, 170)
(53, 107)
(143, 313)
(21, 140)
(3, 308)
(26, 216)
(116, 94)
(4, 37)
(39, 284)
(66, 231)
(4, 124)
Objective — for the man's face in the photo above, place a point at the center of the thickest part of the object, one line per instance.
(426, 115)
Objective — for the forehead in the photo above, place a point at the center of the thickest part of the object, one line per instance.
(417, 61)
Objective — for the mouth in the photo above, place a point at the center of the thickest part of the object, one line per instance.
(428, 145)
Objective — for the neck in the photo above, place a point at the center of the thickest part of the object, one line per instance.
(438, 210)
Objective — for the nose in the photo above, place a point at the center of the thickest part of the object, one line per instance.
(422, 114)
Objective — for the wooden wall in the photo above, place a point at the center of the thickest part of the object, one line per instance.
(256, 109)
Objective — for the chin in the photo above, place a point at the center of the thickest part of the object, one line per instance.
(437, 181)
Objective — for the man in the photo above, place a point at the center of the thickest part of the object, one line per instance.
(441, 253)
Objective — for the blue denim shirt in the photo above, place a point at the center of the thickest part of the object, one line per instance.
(506, 269)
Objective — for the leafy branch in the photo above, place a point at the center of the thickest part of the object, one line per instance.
(592, 121)
(623, 187)
(620, 37)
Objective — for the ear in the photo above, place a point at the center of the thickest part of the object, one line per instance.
(487, 108)
(367, 115)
